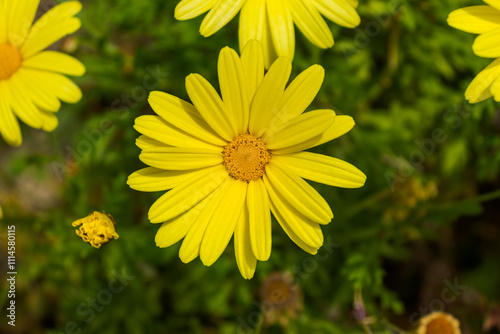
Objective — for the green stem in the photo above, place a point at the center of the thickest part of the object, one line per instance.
(259, 328)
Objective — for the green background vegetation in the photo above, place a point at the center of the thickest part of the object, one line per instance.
(427, 216)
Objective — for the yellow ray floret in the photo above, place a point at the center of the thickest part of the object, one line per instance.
(228, 162)
(271, 22)
(485, 21)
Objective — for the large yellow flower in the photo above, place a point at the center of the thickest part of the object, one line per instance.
(485, 21)
(231, 161)
(32, 83)
(271, 21)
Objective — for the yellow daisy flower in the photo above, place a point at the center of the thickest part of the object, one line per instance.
(438, 323)
(32, 83)
(230, 161)
(271, 21)
(485, 21)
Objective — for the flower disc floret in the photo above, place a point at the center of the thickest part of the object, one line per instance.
(10, 61)
(246, 158)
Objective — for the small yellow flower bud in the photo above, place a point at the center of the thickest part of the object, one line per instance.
(97, 229)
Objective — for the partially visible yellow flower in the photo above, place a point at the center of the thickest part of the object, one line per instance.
(32, 81)
(97, 229)
(271, 22)
(485, 21)
(438, 323)
(231, 161)
(1, 213)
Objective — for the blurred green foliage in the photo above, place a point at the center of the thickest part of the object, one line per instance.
(427, 215)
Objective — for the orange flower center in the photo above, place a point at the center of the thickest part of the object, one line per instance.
(246, 158)
(440, 325)
(10, 61)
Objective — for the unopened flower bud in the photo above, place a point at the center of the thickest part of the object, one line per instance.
(97, 229)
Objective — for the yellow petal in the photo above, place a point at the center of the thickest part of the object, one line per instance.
(259, 220)
(341, 125)
(188, 9)
(495, 89)
(19, 16)
(479, 88)
(41, 95)
(299, 129)
(154, 179)
(265, 102)
(63, 88)
(493, 3)
(9, 126)
(252, 60)
(296, 238)
(353, 3)
(190, 248)
(297, 193)
(66, 90)
(3, 22)
(487, 44)
(50, 121)
(52, 26)
(211, 108)
(313, 26)
(157, 128)
(281, 25)
(342, 12)
(180, 158)
(299, 95)
(475, 19)
(56, 62)
(184, 116)
(323, 169)
(144, 142)
(233, 88)
(268, 47)
(223, 222)
(222, 12)
(175, 229)
(245, 259)
(187, 194)
(290, 218)
(252, 22)
(22, 104)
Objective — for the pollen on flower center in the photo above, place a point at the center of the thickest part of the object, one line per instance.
(246, 158)
(10, 61)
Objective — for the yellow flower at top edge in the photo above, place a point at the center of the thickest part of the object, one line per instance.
(485, 21)
(32, 81)
(231, 161)
(271, 22)
(438, 323)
